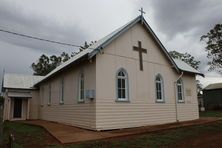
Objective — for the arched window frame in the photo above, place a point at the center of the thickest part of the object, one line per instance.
(49, 94)
(180, 91)
(61, 91)
(119, 88)
(42, 95)
(159, 92)
(81, 87)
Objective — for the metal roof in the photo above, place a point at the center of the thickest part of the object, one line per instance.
(20, 81)
(98, 46)
(214, 86)
(185, 67)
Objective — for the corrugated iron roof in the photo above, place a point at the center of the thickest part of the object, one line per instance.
(185, 67)
(213, 86)
(20, 81)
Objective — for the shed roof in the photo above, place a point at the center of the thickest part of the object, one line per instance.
(185, 67)
(214, 86)
(20, 81)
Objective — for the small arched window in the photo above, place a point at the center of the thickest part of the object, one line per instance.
(180, 97)
(159, 88)
(81, 88)
(61, 97)
(122, 85)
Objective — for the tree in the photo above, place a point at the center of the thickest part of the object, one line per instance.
(42, 67)
(186, 57)
(199, 86)
(46, 64)
(213, 40)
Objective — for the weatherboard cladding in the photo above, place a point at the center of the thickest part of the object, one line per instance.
(98, 46)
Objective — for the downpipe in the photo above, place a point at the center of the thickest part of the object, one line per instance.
(175, 84)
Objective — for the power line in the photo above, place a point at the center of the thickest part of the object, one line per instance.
(40, 39)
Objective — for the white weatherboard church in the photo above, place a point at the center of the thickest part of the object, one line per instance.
(127, 79)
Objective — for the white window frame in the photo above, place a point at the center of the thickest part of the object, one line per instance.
(161, 87)
(50, 94)
(81, 89)
(125, 77)
(61, 91)
(182, 91)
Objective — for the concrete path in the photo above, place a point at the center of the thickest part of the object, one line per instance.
(71, 134)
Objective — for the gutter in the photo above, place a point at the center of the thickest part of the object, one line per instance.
(176, 96)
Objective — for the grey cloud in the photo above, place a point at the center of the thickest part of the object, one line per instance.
(182, 16)
(17, 53)
(15, 19)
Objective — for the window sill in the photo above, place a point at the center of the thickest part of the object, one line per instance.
(160, 101)
(124, 101)
(182, 101)
(81, 101)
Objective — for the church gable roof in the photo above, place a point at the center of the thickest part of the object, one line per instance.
(91, 51)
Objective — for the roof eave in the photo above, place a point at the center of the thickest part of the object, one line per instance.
(49, 76)
(31, 88)
(197, 73)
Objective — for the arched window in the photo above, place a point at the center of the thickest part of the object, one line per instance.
(81, 88)
(159, 88)
(122, 85)
(180, 97)
(61, 98)
(50, 94)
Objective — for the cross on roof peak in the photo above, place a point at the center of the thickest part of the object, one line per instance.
(141, 11)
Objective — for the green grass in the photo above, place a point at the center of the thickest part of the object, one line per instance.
(211, 114)
(23, 133)
(34, 135)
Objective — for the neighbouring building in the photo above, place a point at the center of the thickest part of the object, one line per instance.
(126, 79)
(212, 96)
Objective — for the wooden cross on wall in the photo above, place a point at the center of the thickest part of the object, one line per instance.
(141, 51)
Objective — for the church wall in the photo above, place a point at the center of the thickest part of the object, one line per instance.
(6, 105)
(34, 104)
(189, 109)
(71, 112)
(142, 108)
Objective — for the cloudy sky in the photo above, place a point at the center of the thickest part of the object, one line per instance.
(178, 23)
